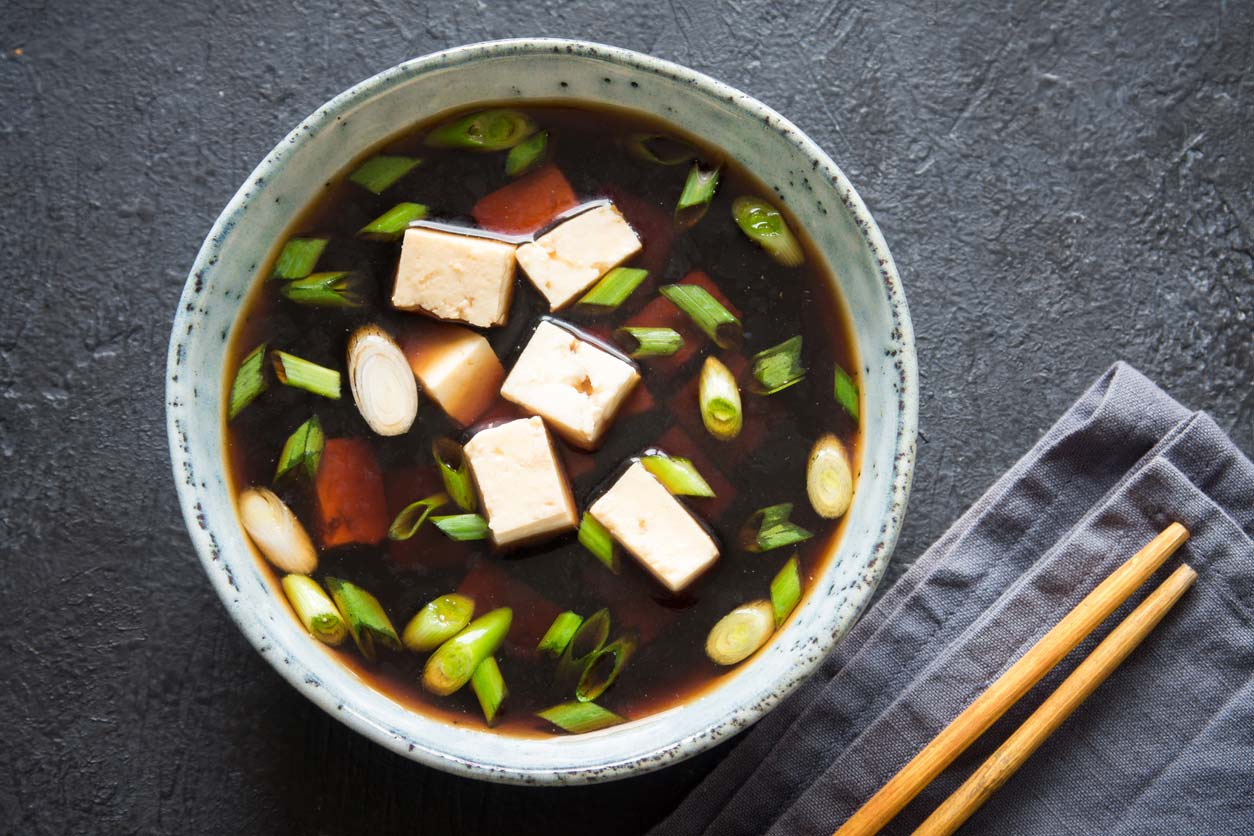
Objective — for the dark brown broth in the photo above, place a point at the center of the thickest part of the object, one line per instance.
(586, 144)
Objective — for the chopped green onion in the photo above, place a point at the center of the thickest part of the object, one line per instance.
(678, 474)
(437, 622)
(526, 154)
(298, 258)
(649, 342)
(720, 400)
(559, 634)
(451, 460)
(462, 527)
(705, 311)
(379, 173)
(454, 662)
(580, 717)
(314, 609)
(489, 688)
(487, 130)
(660, 149)
(302, 374)
(829, 479)
(766, 227)
(614, 287)
(341, 289)
(412, 516)
(250, 381)
(786, 590)
(695, 199)
(779, 367)
(302, 452)
(596, 538)
(847, 393)
(391, 224)
(583, 646)
(603, 668)
(769, 528)
(741, 632)
(367, 622)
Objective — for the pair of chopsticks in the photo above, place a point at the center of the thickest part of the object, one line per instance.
(1018, 679)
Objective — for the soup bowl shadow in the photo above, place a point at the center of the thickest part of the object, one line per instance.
(804, 179)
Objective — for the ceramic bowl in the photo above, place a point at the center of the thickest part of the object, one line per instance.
(290, 177)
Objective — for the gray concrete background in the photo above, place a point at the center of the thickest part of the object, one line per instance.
(1062, 184)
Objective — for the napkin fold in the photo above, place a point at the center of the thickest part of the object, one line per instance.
(1164, 746)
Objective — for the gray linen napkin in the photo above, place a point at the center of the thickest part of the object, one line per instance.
(1165, 746)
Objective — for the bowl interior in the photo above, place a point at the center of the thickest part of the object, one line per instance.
(290, 177)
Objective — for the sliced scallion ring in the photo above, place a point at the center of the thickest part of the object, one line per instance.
(719, 398)
(767, 228)
(487, 130)
(829, 479)
(740, 633)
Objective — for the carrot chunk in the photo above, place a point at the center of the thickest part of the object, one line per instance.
(526, 204)
(652, 223)
(493, 586)
(352, 507)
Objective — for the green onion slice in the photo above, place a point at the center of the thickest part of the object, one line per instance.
(583, 646)
(527, 154)
(437, 622)
(341, 289)
(302, 374)
(379, 173)
(719, 398)
(302, 452)
(559, 634)
(695, 199)
(454, 662)
(829, 478)
(298, 258)
(604, 667)
(706, 312)
(314, 609)
(412, 516)
(769, 528)
(614, 288)
(489, 688)
(786, 590)
(596, 538)
(451, 460)
(580, 717)
(847, 393)
(462, 527)
(679, 475)
(649, 342)
(766, 227)
(487, 130)
(741, 632)
(367, 622)
(392, 224)
(779, 367)
(660, 149)
(250, 381)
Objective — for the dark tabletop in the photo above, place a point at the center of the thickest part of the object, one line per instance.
(1062, 184)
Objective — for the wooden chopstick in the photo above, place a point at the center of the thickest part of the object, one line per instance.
(1057, 707)
(1013, 684)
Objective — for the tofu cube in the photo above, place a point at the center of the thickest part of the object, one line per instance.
(525, 493)
(575, 385)
(655, 528)
(565, 261)
(458, 277)
(456, 367)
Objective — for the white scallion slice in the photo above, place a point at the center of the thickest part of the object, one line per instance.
(383, 384)
(741, 632)
(829, 479)
(720, 400)
(276, 531)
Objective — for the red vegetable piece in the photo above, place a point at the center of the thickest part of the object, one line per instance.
(352, 507)
(654, 226)
(492, 586)
(662, 313)
(526, 204)
(629, 596)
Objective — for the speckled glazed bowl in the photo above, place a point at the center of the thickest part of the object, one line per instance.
(290, 177)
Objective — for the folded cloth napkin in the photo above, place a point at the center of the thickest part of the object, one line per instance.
(1164, 746)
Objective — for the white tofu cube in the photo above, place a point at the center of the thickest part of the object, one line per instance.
(456, 367)
(451, 276)
(574, 385)
(523, 488)
(655, 528)
(565, 261)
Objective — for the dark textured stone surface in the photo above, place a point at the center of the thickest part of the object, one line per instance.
(1062, 184)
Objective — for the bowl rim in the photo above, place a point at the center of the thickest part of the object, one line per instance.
(666, 752)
